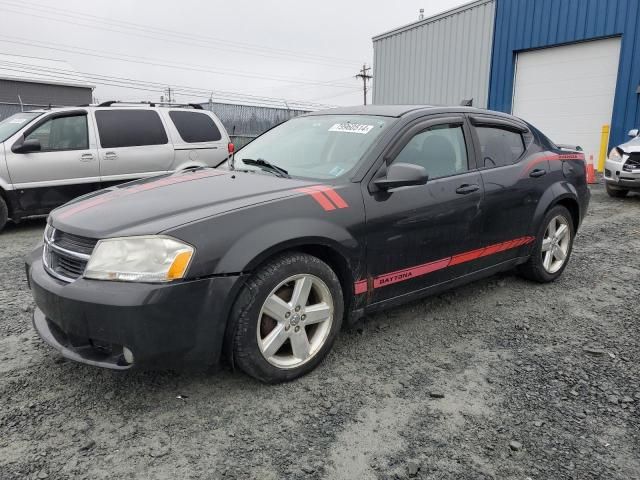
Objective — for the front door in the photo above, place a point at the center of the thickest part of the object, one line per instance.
(65, 167)
(415, 235)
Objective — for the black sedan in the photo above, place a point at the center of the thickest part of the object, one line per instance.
(321, 220)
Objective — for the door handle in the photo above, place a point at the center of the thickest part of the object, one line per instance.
(86, 157)
(110, 156)
(467, 189)
(538, 172)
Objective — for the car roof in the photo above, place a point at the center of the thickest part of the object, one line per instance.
(401, 110)
(120, 106)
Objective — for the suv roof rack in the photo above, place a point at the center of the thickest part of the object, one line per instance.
(111, 103)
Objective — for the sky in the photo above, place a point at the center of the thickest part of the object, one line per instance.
(264, 52)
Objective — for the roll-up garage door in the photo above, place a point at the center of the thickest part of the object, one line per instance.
(567, 91)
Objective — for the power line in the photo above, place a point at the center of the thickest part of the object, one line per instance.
(144, 31)
(156, 87)
(350, 92)
(97, 78)
(144, 61)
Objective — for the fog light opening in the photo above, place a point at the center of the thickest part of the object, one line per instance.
(128, 355)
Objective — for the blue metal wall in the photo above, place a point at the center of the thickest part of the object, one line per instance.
(528, 24)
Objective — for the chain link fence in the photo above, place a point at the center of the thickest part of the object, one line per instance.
(246, 122)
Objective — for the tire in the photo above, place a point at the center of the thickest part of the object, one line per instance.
(538, 268)
(616, 192)
(4, 213)
(272, 349)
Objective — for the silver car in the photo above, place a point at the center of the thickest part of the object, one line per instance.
(48, 157)
(622, 167)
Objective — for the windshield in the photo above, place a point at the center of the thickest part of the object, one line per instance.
(11, 125)
(318, 147)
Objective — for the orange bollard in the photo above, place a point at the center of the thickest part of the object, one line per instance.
(591, 173)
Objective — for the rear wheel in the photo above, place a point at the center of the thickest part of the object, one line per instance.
(4, 213)
(616, 192)
(287, 318)
(553, 246)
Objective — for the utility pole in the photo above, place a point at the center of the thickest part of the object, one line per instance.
(365, 76)
(168, 92)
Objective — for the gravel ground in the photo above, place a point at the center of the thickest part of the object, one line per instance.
(499, 379)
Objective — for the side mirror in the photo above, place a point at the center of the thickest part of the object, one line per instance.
(402, 175)
(634, 133)
(31, 145)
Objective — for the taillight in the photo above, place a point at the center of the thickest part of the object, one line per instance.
(231, 147)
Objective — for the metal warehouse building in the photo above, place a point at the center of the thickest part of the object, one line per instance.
(27, 83)
(569, 67)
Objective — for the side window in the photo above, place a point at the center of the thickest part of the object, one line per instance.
(441, 150)
(195, 127)
(130, 128)
(499, 147)
(62, 133)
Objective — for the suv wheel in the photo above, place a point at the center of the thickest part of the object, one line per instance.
(553, 246)
(616, 192)
(4, 213)
(287, 318)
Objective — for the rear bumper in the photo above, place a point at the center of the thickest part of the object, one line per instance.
(162, 325)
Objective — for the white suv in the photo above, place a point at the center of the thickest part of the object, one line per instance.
(622, 167)
(48, 157)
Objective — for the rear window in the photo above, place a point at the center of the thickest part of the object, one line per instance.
(195, 127)
(500, 147)
(130, 128)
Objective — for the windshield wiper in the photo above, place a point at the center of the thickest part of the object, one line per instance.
(267, 167)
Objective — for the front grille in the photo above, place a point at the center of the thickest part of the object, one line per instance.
(74, 243)
(633, 163)
(65, 255)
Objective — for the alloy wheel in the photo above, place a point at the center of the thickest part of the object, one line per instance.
(555, 244)
(295, 321)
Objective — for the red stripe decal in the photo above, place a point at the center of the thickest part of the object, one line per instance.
(318, 197)
(409, 273)
(493, 249)
(466, 257)
(332, 194)
(553, 157)
(406, 274)
(126, 191)
(360, 287)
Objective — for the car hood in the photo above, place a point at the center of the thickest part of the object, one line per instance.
(160, 203)
(632, 146)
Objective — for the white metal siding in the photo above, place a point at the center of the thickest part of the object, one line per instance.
(440, 60)
(568, 91)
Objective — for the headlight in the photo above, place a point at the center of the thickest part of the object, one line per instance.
(615, 155)
(139, 259)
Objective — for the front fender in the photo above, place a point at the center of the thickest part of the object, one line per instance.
(556, 192)
(254, 247)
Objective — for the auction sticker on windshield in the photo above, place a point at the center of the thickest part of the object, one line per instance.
(351, 128)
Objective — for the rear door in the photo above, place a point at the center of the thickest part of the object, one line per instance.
(513, 187)
(413, 233)
(64, 168)
(133, 143)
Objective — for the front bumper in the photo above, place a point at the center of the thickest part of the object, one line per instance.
(615, 175)
(163, 325)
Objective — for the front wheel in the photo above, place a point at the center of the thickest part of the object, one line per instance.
(287, 318)
(553, 246)
(4, 213)
(616, 192)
